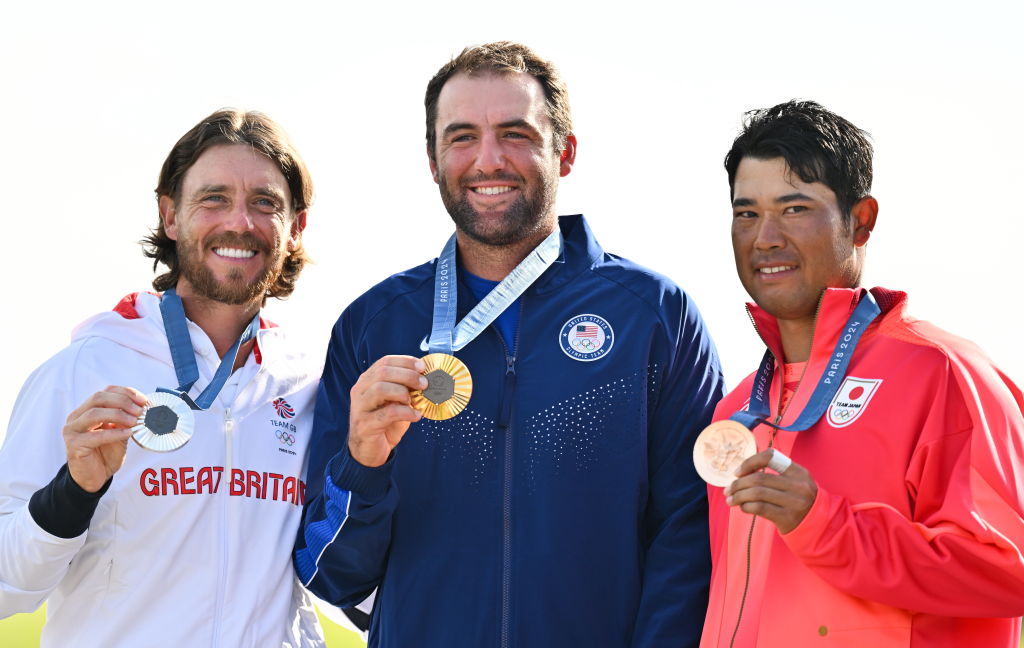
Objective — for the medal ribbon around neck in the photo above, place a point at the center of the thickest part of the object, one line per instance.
(167, 423)
(449, 383)
(724, 445)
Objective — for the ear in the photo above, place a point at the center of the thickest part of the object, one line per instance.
(864, 213)
(298, 225)
(169, 217)
(568, 156)
(433, 163)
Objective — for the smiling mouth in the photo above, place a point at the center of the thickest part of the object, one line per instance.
(775, 269)
(491, 191)
(234, 253)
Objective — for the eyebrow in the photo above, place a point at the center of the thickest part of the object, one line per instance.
(791, 197)
(512, 123)
(258, 191)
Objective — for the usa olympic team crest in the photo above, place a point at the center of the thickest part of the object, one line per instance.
(586, 337)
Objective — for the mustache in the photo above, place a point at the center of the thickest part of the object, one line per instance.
(493, 177)
(239, 240)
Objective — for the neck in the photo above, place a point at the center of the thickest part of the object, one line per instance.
(797, 336)
(494, 262)
(222, 323)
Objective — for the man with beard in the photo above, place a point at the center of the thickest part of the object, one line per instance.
(133, 546)
(559, 507)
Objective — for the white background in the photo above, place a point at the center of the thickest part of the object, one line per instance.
(95, 94)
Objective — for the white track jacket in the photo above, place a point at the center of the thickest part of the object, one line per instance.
(186, 548)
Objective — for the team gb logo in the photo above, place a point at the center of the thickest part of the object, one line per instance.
(284, 410)
(851, 400)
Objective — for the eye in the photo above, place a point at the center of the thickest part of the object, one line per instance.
(214, 198)
(744, 214)
(515, 135)
(462, 138)
(266, 204)
(795, 209)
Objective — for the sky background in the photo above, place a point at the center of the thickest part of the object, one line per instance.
(95, 94)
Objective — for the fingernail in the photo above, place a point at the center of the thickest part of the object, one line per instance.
(728, 501)
(423, 383)
(421, 366)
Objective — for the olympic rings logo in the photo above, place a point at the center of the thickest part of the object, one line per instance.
(286, 437)
(583, 344)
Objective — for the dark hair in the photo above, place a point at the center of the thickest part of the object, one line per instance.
(230, 126)
(504, 57)
(817, 144)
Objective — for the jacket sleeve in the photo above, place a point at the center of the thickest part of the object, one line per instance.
(960, 550)
(677, 562)
(343, 541)
(44, 515)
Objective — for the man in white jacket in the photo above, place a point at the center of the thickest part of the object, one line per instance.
(133, 547)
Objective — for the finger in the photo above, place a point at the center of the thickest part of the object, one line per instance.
(407, 377)
(402, 361)
(755, 463)
(395, 413)
(98, 439)
(99, 417)
(124, 398)
(380, 395)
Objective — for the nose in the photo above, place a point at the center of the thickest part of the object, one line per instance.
(239, 219)
(490, 156)
(769, 234)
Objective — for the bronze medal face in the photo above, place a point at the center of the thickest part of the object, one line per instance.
(166, 423)
(720, 449)
(449, 387)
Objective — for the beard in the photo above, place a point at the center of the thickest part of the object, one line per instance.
(235, 289)
(521, 220)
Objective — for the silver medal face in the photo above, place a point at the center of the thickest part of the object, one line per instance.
(166, 424)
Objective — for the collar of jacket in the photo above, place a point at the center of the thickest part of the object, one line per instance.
(834, 308)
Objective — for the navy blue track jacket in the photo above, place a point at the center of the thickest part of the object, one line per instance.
(561, 508)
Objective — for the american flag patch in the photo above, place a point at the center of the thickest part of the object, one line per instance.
(586, 330)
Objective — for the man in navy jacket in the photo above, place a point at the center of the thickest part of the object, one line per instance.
(561, 508)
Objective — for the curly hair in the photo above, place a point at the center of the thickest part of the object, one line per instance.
(230, 126)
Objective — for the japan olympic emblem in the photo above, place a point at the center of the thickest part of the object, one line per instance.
(586, 337)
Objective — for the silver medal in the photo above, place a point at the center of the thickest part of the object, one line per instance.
(166, 423)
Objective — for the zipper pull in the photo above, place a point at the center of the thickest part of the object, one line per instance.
(510, 365)
(229, 423)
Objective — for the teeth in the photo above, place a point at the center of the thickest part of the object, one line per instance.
(234, 253)
(775, 269)
(492, 191)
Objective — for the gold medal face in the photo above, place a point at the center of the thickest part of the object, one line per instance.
(449, 387)
(720, 449)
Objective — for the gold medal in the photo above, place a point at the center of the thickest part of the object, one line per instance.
(720, 449)
(449, 387)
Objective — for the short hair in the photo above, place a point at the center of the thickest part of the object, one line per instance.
(504, 58)
(817, 145)
(230, 126)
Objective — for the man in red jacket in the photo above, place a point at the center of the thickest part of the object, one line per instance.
(898, 521)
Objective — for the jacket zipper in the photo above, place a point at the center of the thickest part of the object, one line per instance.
(222, 567)
(771, 443)
(505, 423)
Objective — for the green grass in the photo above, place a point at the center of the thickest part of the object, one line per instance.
(22, 631)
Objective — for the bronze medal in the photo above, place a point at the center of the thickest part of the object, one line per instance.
(449, 387)
(720, 449)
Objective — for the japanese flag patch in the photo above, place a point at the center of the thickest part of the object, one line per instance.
(851, 400)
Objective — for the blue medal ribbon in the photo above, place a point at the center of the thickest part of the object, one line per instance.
(445, 335)
(185, 367)
(759, 410)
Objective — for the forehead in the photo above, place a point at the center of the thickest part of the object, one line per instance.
(768, 180)
(235, 166)
(490, 98)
